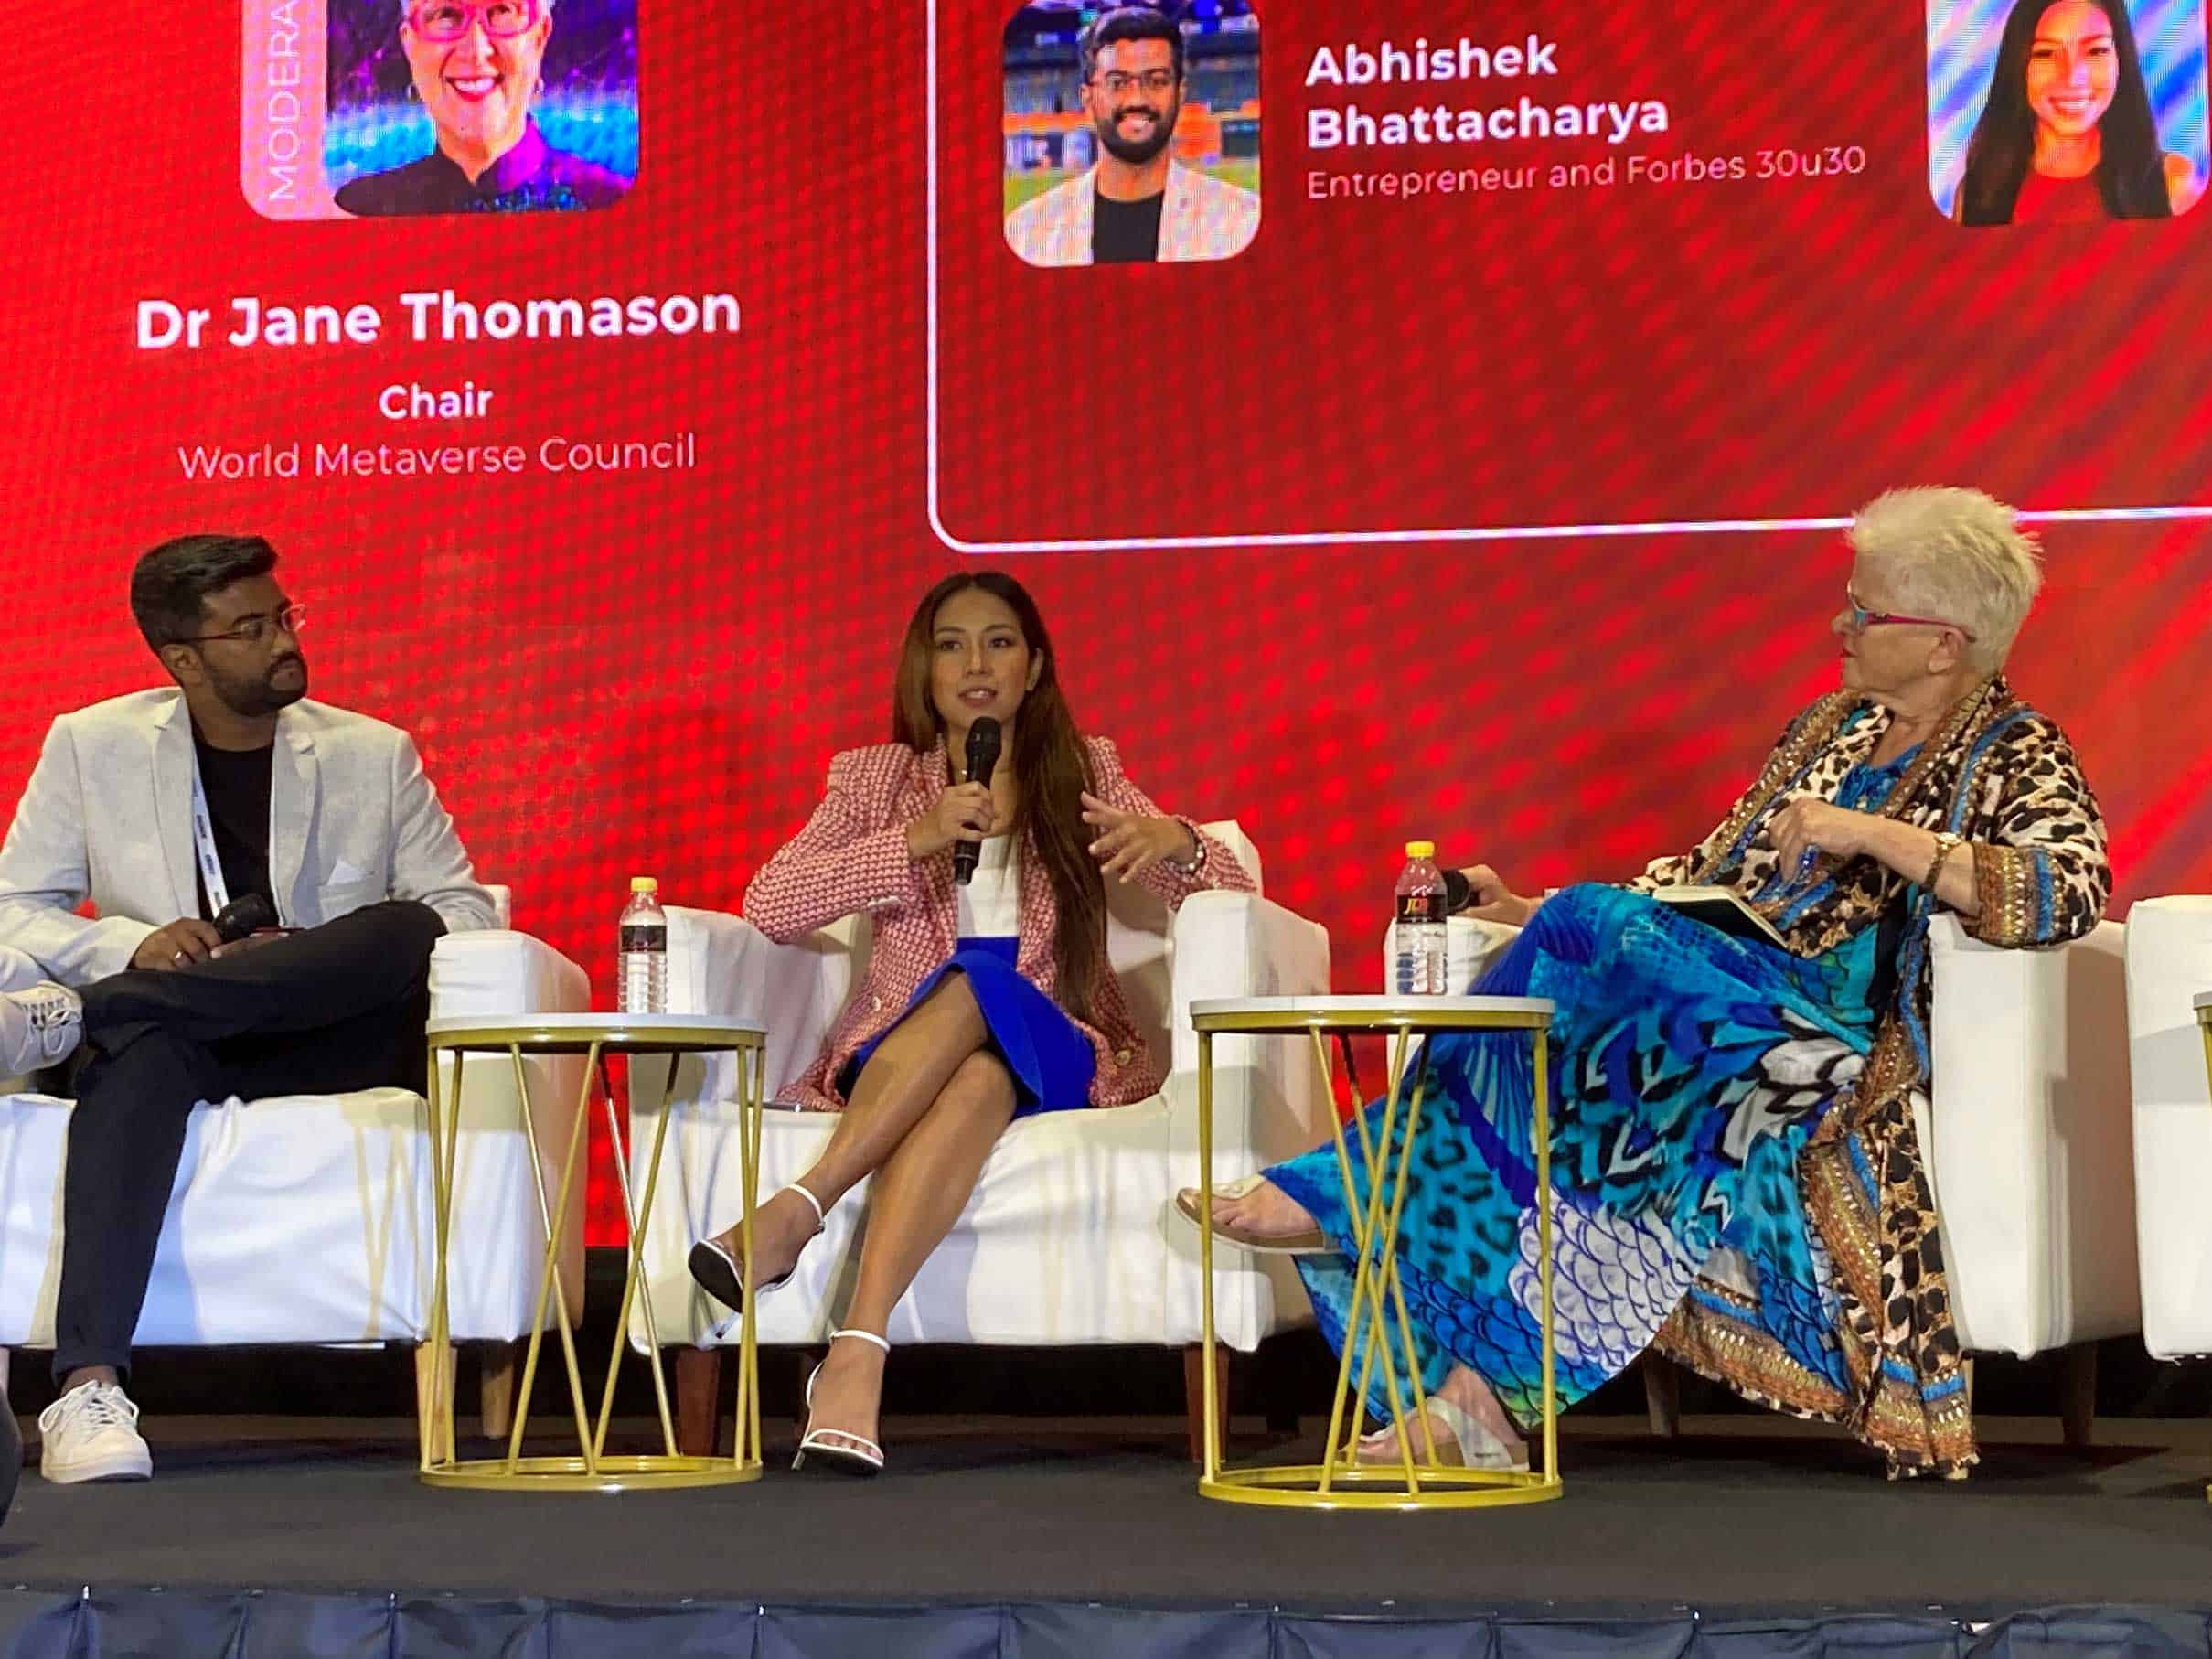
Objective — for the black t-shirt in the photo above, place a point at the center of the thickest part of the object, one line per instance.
(237, 784)
(1125, 232)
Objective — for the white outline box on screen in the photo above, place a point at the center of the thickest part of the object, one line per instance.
(1335, 538)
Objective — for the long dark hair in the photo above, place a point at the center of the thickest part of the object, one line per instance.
(1049, 760)
(2131, 172)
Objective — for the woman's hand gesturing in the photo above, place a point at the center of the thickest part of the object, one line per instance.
(1127, 845)
(965, 812)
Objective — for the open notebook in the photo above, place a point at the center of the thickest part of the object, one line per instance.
(1721, 908)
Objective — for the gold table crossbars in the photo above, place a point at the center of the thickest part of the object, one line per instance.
(1418, 1480)
(596, 1037)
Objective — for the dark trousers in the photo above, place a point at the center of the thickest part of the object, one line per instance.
(334, 1009)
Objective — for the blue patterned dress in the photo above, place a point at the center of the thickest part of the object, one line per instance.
(1688, 1069)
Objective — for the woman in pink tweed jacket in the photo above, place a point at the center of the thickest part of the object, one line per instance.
(980, 1002)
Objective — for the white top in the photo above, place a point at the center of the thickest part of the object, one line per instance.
(990, 905)
(2203, 999)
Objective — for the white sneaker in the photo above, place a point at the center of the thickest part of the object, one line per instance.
(38, 1027)
(90, 1433)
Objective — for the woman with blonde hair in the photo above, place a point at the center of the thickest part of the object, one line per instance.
(477, 66)
(1738, 1181)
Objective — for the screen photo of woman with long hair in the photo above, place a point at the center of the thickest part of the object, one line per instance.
(2068, 133)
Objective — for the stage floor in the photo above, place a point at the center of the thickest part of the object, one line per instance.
(1738, 1516)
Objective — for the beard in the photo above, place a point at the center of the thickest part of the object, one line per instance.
(1138, 151)
(260, 694)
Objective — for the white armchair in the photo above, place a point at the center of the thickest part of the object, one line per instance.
(2169, 966)
(1070, 1237)
(308, 1220)
(2028, 1140)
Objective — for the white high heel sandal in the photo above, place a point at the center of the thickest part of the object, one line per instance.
(858, 1455)
(717, 1272)
(1478, 1448)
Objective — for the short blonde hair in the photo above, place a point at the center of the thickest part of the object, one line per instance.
(1957, 554)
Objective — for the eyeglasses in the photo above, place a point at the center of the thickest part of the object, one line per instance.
(446, 21)
(256, 630)
(1858, 618)
(1154, 82)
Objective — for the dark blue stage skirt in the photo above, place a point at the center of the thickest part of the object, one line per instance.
(1051, 1059)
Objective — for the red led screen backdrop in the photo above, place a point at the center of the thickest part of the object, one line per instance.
(1484, 490)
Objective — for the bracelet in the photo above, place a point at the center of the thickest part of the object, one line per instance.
(1946, 844)
(1198, 851)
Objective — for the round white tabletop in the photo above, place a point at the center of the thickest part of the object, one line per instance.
(1224, 1007)
(610, 1031)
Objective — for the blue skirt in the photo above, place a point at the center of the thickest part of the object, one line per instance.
(1049, 1058)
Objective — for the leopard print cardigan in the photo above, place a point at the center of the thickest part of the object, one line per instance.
(2004, 777)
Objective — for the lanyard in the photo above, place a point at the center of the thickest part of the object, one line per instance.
(203, 840)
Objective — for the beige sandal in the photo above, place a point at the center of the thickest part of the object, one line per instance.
(1311, 1242)
(1477, 1446)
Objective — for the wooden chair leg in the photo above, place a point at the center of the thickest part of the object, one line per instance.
(495, 1388)
(434, 1385)
(1661, 1395)
(698, 1400)
(2077, 1395)
(1195, 1393)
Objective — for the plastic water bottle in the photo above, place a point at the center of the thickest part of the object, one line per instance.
(1418, 930)
(643, 961)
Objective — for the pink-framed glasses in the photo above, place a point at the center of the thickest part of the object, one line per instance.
(1858, 618)
(446, 21)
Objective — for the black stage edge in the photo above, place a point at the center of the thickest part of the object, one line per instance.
(1035, 1537)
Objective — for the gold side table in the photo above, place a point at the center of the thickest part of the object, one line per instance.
(596, 1036)
(1376, 1318)
(2204, 1023)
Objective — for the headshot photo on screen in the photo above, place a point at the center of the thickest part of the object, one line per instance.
(2066, 112)
(480, 106)
(1132, 131)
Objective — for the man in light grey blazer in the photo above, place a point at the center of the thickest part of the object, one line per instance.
(268, 878)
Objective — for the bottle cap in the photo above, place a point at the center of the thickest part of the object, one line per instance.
(643, 884)
(1420, 849)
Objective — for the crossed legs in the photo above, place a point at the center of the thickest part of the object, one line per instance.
(925, 1114)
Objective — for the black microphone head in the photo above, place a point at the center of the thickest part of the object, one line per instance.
(248, 913)
(1459, 891)
(983, 740)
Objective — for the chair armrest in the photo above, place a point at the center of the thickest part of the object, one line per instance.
(2028, 1141)
(498, 971)
(1268, 1100)
(719, 963)
(2169, 964)
(1470, 947)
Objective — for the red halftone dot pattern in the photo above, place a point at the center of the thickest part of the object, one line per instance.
(647, 672)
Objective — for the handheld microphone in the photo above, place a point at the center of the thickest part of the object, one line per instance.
(1458, 892)
(248, 913)
(982, 756)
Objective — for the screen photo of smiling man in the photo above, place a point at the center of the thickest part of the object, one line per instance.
(1137, 204)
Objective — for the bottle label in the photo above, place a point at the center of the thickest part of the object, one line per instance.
(646, 937)
(1421, 907)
